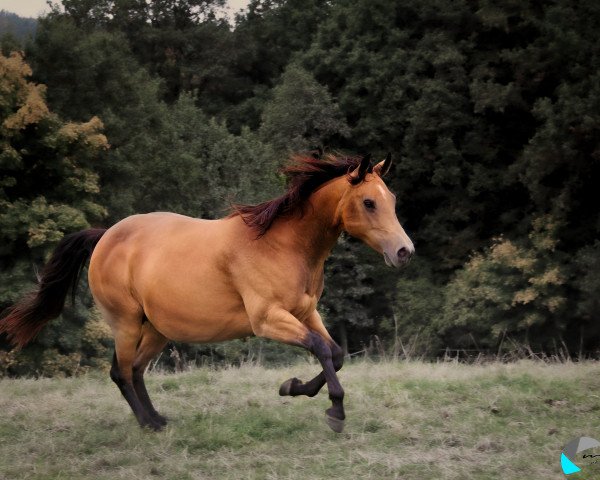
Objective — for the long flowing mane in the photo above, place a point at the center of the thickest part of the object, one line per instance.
(304, 174)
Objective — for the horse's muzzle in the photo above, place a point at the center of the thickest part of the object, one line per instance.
(400, 259)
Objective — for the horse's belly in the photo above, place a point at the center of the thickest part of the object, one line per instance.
(210, 315)
(202, 329)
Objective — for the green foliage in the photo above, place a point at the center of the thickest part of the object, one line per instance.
(203, 168)
(182, 41)
(200, 165)
(47, 184)
(301, 114)
(588, 281)
(491, 110)
(511, 288)
(96, 74)
(266, 38)
(251, 350)
(47, 188)
(418, 301)
(349, 285)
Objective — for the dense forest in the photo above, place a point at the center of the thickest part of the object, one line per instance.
(491, 110)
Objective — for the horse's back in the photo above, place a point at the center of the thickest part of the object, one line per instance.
(175, 270)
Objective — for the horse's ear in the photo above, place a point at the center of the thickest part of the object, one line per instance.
(361, 171)
(383, 167)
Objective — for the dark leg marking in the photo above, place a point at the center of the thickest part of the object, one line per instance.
(128, 391)
(294, 387)
(142, 394)
(319, 347)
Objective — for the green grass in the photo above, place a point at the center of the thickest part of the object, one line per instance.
(404, 420)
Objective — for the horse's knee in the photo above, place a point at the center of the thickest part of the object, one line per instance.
(326, 351)
(319, 347)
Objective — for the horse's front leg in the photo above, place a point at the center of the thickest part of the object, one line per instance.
(294, 386)
(281, 325)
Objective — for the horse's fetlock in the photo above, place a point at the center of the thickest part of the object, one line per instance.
(336, 393)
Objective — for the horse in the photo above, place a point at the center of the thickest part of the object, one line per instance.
(258, 271)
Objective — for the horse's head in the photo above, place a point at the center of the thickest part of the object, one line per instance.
(368, 212)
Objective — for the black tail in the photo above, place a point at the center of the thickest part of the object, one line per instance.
(24, 320)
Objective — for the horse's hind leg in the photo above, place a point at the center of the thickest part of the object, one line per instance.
(127, 330)
(151, 344)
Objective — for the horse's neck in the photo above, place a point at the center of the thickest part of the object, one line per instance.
(315, 233)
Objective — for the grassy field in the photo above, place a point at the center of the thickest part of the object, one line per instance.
(404, 420)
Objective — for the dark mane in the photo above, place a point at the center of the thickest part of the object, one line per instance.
(304, 174)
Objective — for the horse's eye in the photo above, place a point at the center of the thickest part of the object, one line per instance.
(370, 204)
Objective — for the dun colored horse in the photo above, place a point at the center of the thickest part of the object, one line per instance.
(160, 276)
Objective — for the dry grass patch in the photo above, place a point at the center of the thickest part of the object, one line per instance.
(405, 421)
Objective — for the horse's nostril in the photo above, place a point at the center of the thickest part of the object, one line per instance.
(403, 253)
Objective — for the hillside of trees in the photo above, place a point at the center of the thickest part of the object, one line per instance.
(15, 29)
(491, 110)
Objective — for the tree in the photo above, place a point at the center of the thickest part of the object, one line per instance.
(493, 108)
(301, 114)
(586, 279)
(96, 74)
(181, 41)
(348, 285)
(266, 39)
(162, 157)
(489, 108)
(201, 168)
(47, 189)
(513, 290)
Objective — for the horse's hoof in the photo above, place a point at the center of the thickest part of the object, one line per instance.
(160, 419)
(335, 424)
(153, 424)
(286, 387)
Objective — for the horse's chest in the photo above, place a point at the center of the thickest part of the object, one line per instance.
(304, 307)
(306, 302)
